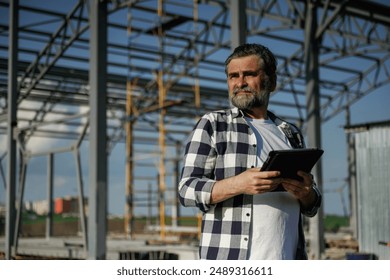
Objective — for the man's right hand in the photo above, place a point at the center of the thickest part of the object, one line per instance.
(251, 181)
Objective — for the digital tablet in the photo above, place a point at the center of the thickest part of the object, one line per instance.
(288, 162)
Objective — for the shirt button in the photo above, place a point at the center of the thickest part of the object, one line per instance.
(247, 214)
(246, 238)
(252, 166)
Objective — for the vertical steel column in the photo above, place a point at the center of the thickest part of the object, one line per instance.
(49, 217)
(80, 188)
(176, 178)
(161, 140)
(313, 119)
(237, 23)
(19, 208)
(162, 91)
(129, 221)
(129, 206)
(352, 180)
(196, 58)
(11, 125)
(97, 220)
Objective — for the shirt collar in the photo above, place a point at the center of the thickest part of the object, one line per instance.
(239, 113)
(236, 112)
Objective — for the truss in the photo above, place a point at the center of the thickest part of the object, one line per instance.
(53, 54)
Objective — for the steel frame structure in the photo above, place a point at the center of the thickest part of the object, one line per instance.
(158, 69)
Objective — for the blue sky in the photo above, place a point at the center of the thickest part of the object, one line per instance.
(371, 108)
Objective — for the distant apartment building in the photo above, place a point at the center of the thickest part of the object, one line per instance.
(61, 205)
(40, 207)
(68, 205)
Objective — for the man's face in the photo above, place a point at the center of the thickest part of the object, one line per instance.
(245, 83)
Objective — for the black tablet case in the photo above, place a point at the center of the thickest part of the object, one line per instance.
(288, 162)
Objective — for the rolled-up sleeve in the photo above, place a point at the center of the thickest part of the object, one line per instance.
(312, 211)
(197, 177)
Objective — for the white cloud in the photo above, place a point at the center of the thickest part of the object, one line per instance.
(42, 144)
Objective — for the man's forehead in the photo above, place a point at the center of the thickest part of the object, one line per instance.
(243, 63)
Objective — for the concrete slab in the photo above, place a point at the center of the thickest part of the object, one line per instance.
(65, 248)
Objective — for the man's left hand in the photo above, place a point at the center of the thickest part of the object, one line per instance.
(302, 190)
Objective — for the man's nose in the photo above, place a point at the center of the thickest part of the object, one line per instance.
(241, 81)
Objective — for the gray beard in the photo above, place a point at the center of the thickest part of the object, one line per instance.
(247, 102)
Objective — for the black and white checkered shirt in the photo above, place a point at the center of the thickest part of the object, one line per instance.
(223, 145)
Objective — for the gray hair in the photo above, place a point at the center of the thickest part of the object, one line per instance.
(267, 60)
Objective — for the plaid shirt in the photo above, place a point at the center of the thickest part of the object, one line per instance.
(223, 145)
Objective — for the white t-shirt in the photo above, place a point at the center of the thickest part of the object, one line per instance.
(274, 227)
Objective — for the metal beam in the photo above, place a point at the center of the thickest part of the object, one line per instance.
(238, 23)
(352, 178)
(97, 220)
(80, 189)
(314, 119)
(49, 55)
(50, 185)
(11, 125)
(129, 204)
(19, 208)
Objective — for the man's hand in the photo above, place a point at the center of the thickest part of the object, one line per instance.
(302, 190)
(251, 181)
